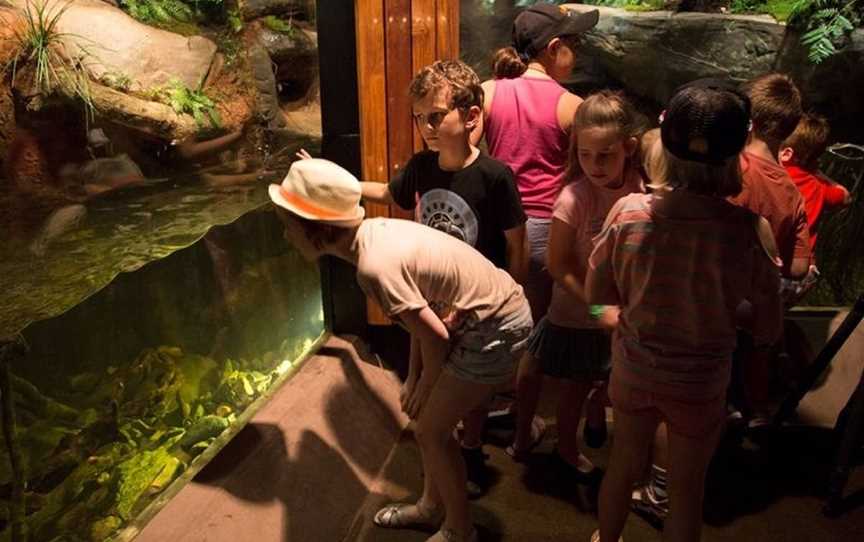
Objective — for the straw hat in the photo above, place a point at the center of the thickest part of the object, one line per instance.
(320, 190)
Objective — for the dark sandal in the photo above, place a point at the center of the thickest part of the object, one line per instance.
(390, 517)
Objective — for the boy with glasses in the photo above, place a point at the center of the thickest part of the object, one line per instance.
(454, 187)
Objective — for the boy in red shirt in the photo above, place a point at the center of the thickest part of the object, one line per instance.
(799, 154)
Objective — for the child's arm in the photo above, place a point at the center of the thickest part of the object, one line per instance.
(559, 257)
(376, 192)
(836, 194)
(434, 341)
(415, 365)
(802, 257)
(765, 290)
(371, 191)
(517, 253)
(600, 286)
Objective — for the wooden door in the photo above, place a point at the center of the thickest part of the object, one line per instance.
(395, 39)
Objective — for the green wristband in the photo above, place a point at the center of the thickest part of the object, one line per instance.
(596, 311)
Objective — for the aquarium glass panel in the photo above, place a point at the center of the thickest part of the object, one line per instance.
(150, 304)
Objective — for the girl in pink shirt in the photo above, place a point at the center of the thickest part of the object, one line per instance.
(679, 262)
(569, 342)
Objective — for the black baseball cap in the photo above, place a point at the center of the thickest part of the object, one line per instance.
(535, 27)
(707, 121)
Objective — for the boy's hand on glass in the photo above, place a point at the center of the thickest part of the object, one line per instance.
(303, 154)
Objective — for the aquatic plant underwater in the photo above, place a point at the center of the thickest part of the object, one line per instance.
(91, 468)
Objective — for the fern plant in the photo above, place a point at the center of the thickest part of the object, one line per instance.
(158, 11)
(41, 45)
(824, 23)
(280, 25)
(184, 100)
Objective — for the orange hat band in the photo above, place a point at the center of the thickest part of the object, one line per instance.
(309, 207)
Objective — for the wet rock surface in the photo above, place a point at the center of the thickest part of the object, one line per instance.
(112, 42)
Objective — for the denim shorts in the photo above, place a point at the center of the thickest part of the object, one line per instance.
(489, 352)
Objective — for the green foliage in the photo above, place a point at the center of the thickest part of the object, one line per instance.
(184, 100)
(630, 5)
(824, 23)
(159, 11)
(117, 80)
(280, 25)
(40, 44)
(747, 6)
(235, 21)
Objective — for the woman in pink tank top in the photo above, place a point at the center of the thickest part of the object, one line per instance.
(527, 118)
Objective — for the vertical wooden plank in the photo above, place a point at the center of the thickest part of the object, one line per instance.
(399, 75)
(423, 46)
(447, 32)
(372, 87)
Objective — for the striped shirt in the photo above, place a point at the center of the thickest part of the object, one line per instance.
(679, 265)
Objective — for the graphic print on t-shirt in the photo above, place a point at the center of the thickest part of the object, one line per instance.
(448, 212)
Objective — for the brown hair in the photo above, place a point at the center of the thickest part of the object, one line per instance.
(320, 234)
(507, 63)
(605, 109)
(809, 140)
(775, 106)
(464, 85)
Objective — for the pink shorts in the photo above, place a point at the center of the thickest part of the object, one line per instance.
(695, 419)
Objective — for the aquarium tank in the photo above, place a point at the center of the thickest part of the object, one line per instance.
(149, 302)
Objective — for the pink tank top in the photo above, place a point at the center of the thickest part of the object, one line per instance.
(522, 131)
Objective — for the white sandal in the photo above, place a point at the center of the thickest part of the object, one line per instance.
(390, 517)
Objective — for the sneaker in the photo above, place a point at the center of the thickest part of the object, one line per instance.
(475, 466)
(647, 505)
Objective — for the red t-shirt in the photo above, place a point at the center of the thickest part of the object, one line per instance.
(769, 192)
(818, 193)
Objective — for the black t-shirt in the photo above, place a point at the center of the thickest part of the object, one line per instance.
(475, 204)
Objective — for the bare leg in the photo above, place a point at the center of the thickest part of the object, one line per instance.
(688, 464)
(569, 413)
(529, 382)
(631, 451)
(472, 436)
(451, 399)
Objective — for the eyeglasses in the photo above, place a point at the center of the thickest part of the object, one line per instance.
(432, 120)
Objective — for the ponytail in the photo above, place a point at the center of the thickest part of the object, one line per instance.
(508, 64)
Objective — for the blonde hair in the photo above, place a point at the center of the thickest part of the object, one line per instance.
(674, 173)
(604, 109)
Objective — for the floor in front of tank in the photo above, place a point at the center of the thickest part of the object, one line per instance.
(747, 499)
(750, 497)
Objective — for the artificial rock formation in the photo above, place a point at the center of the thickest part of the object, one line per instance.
(652, 53)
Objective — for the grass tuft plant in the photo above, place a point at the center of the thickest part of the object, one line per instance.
(41, 45)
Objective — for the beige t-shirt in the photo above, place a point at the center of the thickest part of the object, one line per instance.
(405, 266)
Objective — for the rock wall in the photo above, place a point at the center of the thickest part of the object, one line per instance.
(651, 53)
